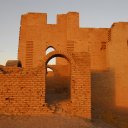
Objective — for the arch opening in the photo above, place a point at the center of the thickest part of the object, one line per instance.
(48, 50)
(58, 82)
(49, 69)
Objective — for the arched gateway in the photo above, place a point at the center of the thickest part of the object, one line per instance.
(79, 101)
(29, 85)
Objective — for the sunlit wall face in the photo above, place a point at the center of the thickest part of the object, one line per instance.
(99, 13)
(118, 62)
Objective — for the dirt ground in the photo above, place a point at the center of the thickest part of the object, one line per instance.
(49, 121)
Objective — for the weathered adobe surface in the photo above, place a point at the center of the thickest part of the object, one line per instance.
(98, 62)
(23, 91)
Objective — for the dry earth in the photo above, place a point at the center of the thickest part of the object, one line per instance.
(49, 121)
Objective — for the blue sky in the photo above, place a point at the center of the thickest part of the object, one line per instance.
(93, 13)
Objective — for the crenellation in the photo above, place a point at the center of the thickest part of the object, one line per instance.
(34, 19)
(62, 20)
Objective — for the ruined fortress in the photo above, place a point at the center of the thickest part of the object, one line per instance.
(89, 79)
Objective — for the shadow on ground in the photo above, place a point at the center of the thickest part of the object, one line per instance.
(49, 121)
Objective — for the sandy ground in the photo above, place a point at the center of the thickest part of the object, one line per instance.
(49, 121)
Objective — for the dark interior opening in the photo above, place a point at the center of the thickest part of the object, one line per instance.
(57, 81)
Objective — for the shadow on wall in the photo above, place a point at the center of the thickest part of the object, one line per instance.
(103, 99)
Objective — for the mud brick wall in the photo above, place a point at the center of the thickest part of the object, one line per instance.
(22, 91)
(80, 102)
(81, 85)
(65, 35)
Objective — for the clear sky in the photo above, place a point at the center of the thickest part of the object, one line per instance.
(93, 13)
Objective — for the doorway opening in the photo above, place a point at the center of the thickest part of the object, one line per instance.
(58, 78)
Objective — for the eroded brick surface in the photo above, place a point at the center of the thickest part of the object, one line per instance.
(95, 66)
